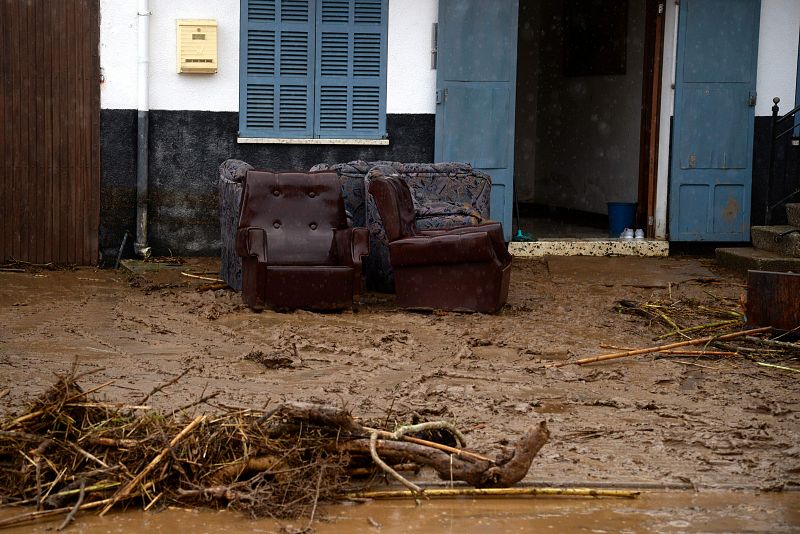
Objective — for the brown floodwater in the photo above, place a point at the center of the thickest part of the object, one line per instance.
(656, 512)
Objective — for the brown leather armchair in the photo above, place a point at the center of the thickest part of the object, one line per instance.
(466, 268)
(296, 247)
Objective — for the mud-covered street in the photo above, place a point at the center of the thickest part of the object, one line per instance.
(718, 422)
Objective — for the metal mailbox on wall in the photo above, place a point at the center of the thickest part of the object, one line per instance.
(197, 46)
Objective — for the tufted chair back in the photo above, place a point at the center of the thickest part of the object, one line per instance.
(299, 213)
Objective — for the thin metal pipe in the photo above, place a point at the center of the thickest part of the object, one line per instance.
(142, 125)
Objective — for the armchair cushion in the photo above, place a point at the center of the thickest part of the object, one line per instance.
(445, 248)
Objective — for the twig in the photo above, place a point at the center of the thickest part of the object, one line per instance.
(162, 386)
(126, 490)
(207, 278)
(695, 364)
(698, 341)
(201, 400)
(373, 441)
(782, 367)
(495, 492)
(683, 331)
(316, 496)
(33, 516)
(71, 515)
(771, 343)
(433, 444)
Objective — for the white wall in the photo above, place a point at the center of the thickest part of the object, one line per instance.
(168, 89)
(777, 54)
(410, 80)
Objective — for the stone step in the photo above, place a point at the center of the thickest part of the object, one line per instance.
(769, 238)
(793, 214)
(745, 259)
(590, 247)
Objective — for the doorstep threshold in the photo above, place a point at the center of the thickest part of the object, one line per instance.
(590, 247)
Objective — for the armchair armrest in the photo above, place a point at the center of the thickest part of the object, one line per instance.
(351, 244)
(441, 249)
(252, 241)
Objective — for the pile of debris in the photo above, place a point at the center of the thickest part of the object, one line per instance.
(71, 451)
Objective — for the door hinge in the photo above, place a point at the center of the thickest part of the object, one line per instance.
(441, 95)
(751, 99)
(434, 45)
(660, 8)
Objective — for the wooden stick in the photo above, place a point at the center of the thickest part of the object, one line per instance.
(71, 515)
(698, 341)
(699, 352)
(696, 365)
(208, 278)
(33, 516)
(123, 492)
(782, 367)
(683, 331)
(165, 385)
(497, 492)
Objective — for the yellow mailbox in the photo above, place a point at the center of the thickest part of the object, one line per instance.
(197, 46)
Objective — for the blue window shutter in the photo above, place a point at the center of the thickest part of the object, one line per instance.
(276, 68)
(350, 77)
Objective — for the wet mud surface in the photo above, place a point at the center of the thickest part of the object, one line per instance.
(653, 512)
(718, 423)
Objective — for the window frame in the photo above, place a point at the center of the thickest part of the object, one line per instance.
(361, 124)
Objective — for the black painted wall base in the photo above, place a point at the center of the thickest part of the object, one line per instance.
(186, 148)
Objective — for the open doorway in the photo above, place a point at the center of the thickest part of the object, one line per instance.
(588, 92)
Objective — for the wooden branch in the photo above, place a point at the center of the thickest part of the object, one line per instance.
(233, 471)
(419, 441)
(125, 491)
(472, 471)
(698, 341)
(71, 516)
(166, 385)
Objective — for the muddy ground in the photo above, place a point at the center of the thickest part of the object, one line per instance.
(723, 422)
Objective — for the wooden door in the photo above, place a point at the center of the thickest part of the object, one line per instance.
(712, 146)
(476, 93)
(49, 131)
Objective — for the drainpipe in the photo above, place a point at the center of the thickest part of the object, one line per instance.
(140, 246)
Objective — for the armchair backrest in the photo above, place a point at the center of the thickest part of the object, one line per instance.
(298, 212)
(396, 206)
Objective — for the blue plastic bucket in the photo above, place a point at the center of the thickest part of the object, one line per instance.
(621, 215)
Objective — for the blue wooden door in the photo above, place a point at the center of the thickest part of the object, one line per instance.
(712, 144)
(476, 92)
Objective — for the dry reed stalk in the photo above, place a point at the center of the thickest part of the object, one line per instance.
(636, 352)
(497, 492)
(125, 491)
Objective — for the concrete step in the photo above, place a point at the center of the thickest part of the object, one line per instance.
(793, 214)
(769, 238)
(745, 259)
(590, 247)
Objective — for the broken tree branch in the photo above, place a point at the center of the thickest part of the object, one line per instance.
(698, 341)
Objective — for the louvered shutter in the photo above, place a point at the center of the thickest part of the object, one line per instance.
(350, 78)
(277, 68)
